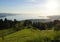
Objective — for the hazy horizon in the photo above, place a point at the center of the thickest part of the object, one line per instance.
(38, 7)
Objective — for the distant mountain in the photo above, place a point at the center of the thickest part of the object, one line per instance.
(39, 20)
(50, 18)
(5, 14)
(55, 17)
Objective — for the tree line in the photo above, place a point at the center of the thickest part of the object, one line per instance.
(5, 24)
(17, 25)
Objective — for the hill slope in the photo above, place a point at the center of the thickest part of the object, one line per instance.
(30, 35)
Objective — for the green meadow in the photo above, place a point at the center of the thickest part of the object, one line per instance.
(31, 35)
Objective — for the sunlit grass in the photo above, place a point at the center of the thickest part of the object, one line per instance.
(31, 35)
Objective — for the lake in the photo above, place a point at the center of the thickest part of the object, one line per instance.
(23, 16)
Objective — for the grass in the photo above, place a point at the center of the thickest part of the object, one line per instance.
(31, 35)
(6, 31)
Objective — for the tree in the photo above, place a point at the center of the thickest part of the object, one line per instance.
(27, 22)
(57, 27)
(1, 24)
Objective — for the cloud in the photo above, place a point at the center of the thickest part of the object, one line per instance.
(30, 0)
(35, 1)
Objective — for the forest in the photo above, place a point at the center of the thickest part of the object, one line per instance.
(6, 24)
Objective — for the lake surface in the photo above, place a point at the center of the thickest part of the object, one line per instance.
(23, 16)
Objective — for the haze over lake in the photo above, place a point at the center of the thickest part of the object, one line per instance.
(22, 16)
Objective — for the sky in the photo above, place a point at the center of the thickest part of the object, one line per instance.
(38, 7)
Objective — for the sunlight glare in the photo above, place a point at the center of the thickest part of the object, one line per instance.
(52, 5)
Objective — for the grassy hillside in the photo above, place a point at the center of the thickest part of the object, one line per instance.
(31, 35)
(6, 32)
(28, 31)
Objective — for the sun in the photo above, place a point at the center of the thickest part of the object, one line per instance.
(51, 6)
